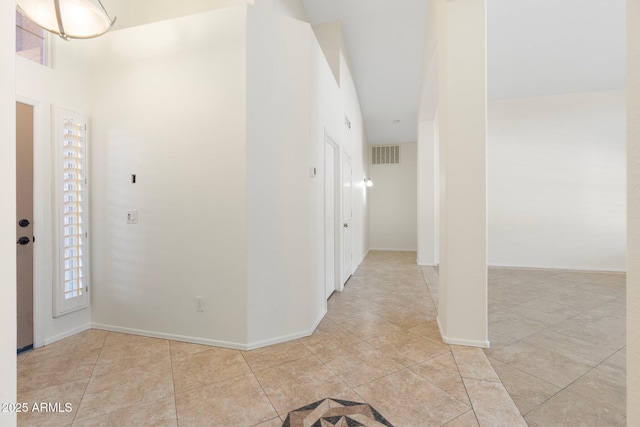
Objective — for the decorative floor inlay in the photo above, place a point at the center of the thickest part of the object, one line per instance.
(335, 413)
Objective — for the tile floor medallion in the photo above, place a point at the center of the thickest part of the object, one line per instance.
(335, 413)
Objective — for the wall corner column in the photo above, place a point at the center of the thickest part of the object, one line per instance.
(8, 211)
(427, 215)
(633, 212)
(462, 89)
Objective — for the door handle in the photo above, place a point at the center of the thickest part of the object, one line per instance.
(23, 240)
(345, 225)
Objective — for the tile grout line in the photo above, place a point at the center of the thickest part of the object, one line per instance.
(561, 389)
(426, 283)
(173, 384)
(462, 415)
(453, 356)
(90, 377)
(549, 328)
(524, 341)
(526, 373)
(365, 383)
(445, 391)
(262, 388)
(475, 414)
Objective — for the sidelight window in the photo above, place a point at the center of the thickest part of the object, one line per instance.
(71, 192)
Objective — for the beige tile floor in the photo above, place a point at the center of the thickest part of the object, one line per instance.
(378, 344)
(558, 344)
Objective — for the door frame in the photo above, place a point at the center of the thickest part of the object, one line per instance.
(343, 280)
(41, 216)
(337, 208)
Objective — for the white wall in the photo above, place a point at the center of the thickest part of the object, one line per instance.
(280, 292)
(7, 211)
(355, 144)
(456, 39)
(336, 96)
(427, 214)
(633, 230)
(64, 84)
(329, 36)
(428, 161)
(293, 100)
(221, 121)
(557, 181)
(139, 12)
(290, 8)
(326, 119)
(169, 104)
(393, 205)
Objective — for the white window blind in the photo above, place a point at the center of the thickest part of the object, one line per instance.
(71, 193)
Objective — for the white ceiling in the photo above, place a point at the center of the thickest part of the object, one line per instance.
(384, 40)
(545, 47)
(535, 47)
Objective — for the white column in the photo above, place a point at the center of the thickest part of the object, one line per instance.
(463, 174)
(7, 210)
(426, 193)
(633, 212)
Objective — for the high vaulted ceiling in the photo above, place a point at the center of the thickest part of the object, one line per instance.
(535, 47)
(384, 40)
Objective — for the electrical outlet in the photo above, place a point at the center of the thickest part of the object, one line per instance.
(200, 304)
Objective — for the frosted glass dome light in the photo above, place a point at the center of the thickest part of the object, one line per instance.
(70, 19)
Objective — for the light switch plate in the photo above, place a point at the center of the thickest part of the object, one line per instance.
(132, 217)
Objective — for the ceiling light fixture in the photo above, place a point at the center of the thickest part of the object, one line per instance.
(70, 19)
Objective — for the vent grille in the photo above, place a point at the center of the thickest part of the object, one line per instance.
(385, 155)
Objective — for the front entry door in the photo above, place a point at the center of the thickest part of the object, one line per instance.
(347, 219)
(24, 224)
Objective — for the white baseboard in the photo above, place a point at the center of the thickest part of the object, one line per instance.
(424, 264)
(559, 268)
(210, 342)
(457, 341)
(393, 249)
(173, 337)
(466, 343)
(67, 334)
(285, 338)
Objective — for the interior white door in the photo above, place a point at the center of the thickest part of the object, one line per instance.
(330, 218)
(347, 218)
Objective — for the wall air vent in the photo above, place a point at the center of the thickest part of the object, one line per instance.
(385, 155)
